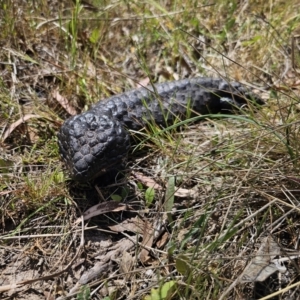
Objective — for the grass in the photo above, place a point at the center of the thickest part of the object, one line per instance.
(222, 185)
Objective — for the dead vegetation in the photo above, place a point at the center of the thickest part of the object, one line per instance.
(209, 211)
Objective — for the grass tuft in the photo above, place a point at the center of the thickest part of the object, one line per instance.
(203, 193)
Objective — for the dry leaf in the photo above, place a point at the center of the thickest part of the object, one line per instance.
(147, 241)
(135, 225)
(163, 240)
(144, 82)
(123, 245)
(185, 193)
(117, 248)
(98, 269)
(104, 264)
(149, 182)
(126, 264)
(14, 125)
(261, 267)
(90, 69)
(64, 103)
(94, 272)
(103, 208)
(49, 296)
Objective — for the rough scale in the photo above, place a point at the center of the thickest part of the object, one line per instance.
(96, 141)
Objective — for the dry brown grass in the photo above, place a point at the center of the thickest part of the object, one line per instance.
(235, 179)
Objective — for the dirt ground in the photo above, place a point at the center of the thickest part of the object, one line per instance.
(205, 210)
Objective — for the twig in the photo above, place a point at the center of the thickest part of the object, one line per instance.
(5, 288)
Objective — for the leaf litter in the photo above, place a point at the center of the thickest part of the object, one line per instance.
(223, 165)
